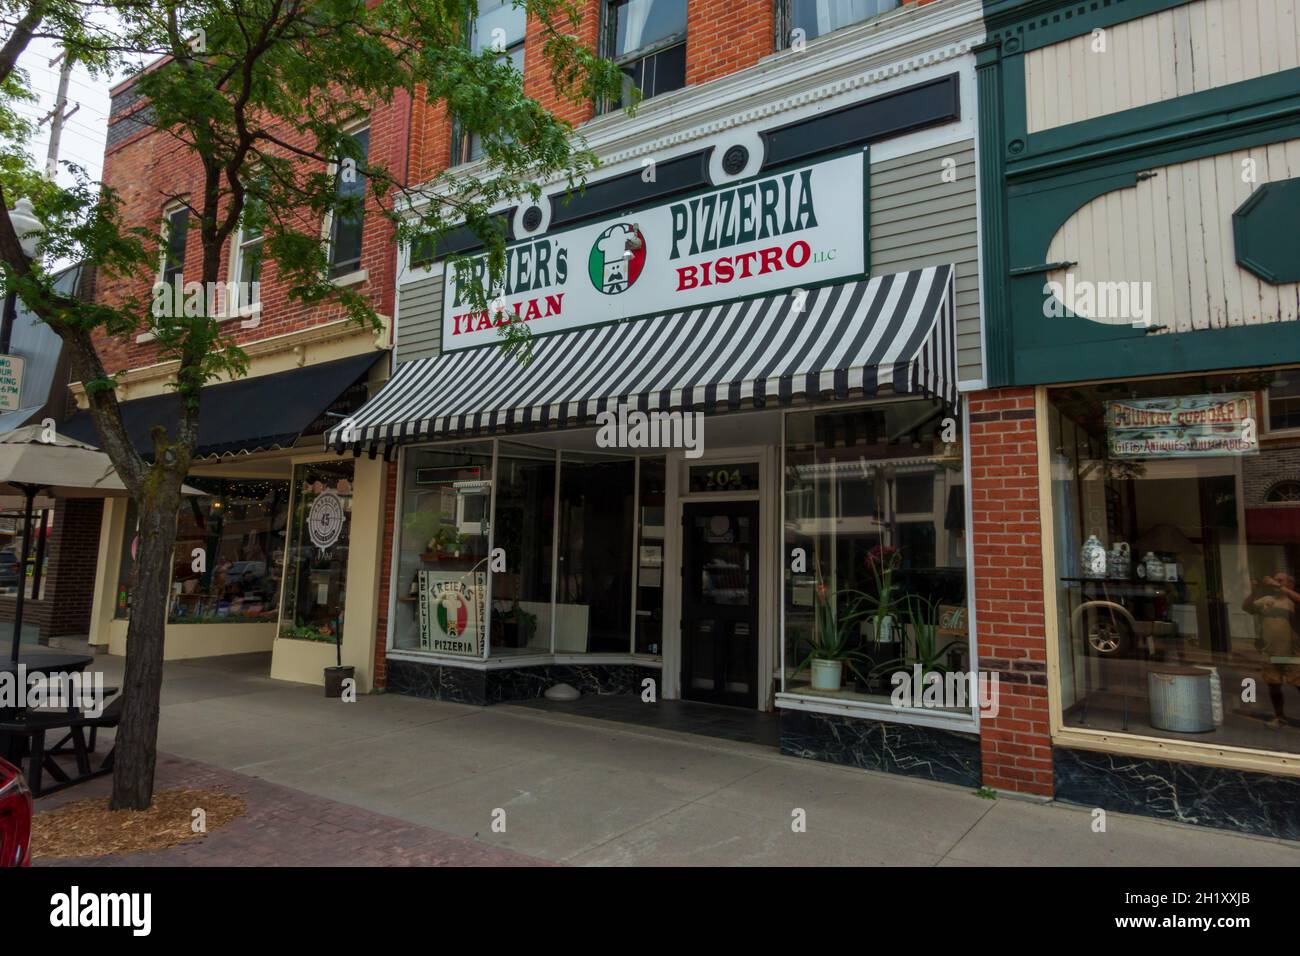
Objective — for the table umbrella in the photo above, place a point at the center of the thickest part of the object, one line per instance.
(33, 461)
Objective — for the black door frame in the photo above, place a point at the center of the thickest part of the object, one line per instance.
(752, 509)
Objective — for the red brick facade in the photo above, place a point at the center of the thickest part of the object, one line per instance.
(1016, 746)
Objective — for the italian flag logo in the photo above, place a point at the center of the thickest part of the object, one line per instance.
(453, 614)
(617, 258)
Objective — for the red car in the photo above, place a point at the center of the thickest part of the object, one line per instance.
(15, 817)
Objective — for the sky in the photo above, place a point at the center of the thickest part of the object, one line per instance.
(83, 134)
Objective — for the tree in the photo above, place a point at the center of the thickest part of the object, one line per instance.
(261, 94)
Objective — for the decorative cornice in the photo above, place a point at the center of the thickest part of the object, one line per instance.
(904, 41)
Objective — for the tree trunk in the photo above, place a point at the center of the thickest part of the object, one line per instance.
(136, 743)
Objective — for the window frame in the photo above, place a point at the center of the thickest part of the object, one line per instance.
(461, 139)
(165, 250)
(1267, 413)
(238, 250)
(608, 37)
(783, 23)
(332, 270)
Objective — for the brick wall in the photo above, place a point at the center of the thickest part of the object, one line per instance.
(725, 36)
(149, 169)
(1016, 744)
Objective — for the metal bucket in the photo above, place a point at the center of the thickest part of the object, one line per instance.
(1180, 699)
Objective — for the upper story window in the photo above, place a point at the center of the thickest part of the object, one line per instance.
(176, 229)
(499, 27)
(647, 39)
(814, 18)
(345, 228)
(246, 267)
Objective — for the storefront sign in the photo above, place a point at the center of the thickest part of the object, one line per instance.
(11, 383)
(451, 612)
(793, 229)
(325, 519)
(1186, 426)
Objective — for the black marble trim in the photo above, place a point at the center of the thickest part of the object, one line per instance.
(1241, 800)
(947, 756)
(465, 685)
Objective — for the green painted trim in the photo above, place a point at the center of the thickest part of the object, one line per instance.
(1266, 99)
(991, 165)
(1016, 121)
(1132, 356)
(1033, 25)
(1268, 247)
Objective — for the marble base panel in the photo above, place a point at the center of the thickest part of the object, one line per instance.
(464, 685)
(943, 755)
(1240, 800)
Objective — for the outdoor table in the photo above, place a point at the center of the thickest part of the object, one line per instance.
(44, 662)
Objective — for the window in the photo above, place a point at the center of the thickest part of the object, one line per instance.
(647, 39)
(814, 18)
(874, 500)
(176, 229)
(345, 226)
(500, 27)
(525, 529)
(246, 270)
(1177, 553)
(316, 576)
(650, 557)
(240, 528)
(1284, 401)
(439, 544)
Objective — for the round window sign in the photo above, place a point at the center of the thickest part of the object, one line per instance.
(325, 519)
(617, 258)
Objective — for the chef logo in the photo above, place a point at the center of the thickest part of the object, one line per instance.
(617, 258)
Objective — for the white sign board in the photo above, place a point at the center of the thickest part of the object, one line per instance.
(452, 612)
(11, 383)
(794, 228)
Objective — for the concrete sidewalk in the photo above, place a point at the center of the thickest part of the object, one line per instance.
(582, 791)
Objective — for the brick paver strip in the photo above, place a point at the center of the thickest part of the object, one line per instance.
(286, 827)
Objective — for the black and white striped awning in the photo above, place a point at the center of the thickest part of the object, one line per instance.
(855, 338)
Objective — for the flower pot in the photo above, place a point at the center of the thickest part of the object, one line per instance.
(827, 675)
(334, 678)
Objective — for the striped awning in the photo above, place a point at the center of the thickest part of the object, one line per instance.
(854, 338)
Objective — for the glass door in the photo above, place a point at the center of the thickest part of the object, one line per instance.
(720, 603)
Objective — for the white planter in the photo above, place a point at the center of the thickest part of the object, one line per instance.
(827, 675)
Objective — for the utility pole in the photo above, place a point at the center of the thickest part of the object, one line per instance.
(57, 117)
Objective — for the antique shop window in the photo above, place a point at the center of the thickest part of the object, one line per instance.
(316, 574)
(593, 611)
(650, 557)
(814, 18)
(874, 503)
(525, 531)
(647, 39)
(1178, 608)
(240, 529)
(441, 580)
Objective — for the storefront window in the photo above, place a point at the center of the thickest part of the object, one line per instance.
(239, 526)
(316, 573)
(594, 600)
(875, 523)
(525, 532)
(1176, 561)
(126, 567)
(650, 558)
(446, 496)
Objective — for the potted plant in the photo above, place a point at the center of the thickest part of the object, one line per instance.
(926, 650)
(336, 675)
(831, 645)
(885, 614)
(517, 626)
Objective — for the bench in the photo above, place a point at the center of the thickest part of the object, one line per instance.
(34, 725)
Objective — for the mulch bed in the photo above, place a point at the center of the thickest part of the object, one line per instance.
(87, 828)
